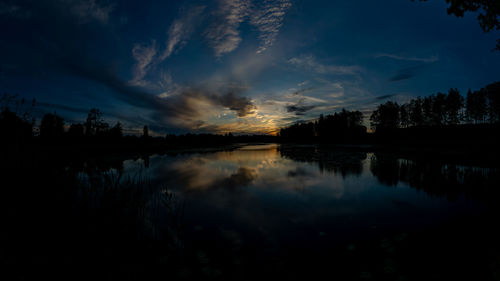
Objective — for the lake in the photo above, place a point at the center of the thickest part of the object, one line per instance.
(285, 207)
(282, 211)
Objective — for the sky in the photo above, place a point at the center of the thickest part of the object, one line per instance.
(240, 66)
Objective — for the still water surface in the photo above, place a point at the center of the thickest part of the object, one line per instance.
(304, 210)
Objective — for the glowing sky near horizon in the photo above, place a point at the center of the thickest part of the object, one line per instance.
(236, 66)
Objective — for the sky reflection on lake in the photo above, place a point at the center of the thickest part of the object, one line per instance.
(275, 196)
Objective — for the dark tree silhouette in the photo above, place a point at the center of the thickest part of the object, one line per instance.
(427, 109)
(76, 131)
(95, 125)
(13, 128)
(476, 110)
(386, 116)
(404, 115)
(16, 121)
(493, 95)
(453, 106)
(339, 127)
(441, 118)
(52, 126)
(438, 109)
(116, 132)
(416, 115)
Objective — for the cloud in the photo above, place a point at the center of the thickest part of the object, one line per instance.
(189, 109)
(310, 63)
(302, 84)
(408, 73)
(147, 55)
(144, 55)
(223, 34)
(299, 108)
(267, 16)
(167, 85)
(54, 51)
(408, 58)
(301, 91)
(384, 97)
(269, 20)
(63, 107)
(181, 29)
(241, 105)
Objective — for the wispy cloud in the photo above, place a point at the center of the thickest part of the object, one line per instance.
(144, 54)
(408, 58)
(408, 73)
(301, 91)
(303, 83)
(223, 34)
(62, 107)
(310, 63)
(181, 29)
(384, 97)
(167, 85)
(148, 55)
(268, 19)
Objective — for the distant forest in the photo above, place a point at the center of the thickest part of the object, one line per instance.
(479, 107)
(17, 126)
(436, 118)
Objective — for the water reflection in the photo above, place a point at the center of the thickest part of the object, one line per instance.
(437, 177)
(294, 207)
(283, 210)
(287, 167)
(330, 160)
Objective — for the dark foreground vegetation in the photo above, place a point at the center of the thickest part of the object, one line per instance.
(65, 217)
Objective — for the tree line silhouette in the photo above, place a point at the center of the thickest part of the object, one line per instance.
(17, 126)
(437, 118)
(343, 126)
(479, 107)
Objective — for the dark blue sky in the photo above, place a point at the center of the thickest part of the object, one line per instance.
(240, 66)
